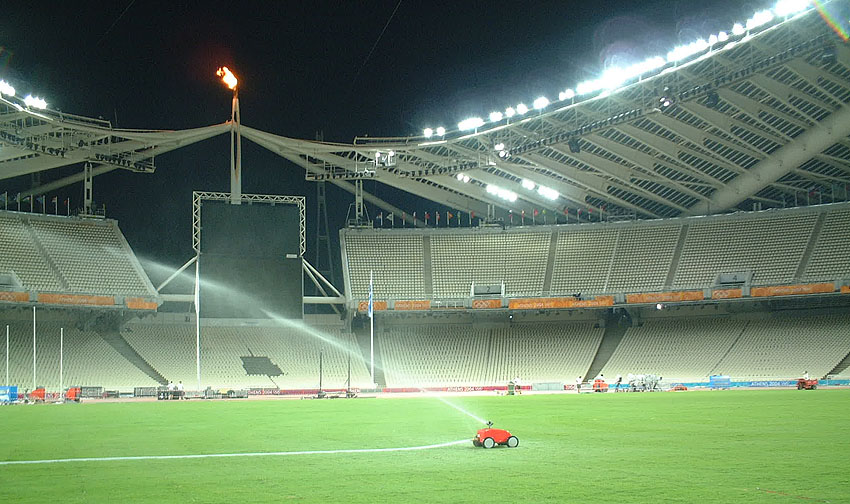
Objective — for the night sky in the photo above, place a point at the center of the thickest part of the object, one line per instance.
(303, 68)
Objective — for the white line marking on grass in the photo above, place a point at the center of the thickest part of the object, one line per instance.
(218, 455)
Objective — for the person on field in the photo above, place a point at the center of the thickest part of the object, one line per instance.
(619, 381)
(578, 384)
(171, 389)
(180, 392)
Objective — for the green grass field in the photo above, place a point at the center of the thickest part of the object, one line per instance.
(731, 446)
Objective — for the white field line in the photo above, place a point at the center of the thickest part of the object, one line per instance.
(219, 455)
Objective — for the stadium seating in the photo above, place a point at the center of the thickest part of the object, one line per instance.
(395, 261)
(830, 258)
(18, 253)
(60, 254)
(643, 258)
(778, 246)
(445, 356)
(294, 351)
(460, 258)
(782, 346)
(582, 259)
(679, 350)
(542, 352)
(433, 356)
(769, 246)
(87, 361)
(787, 345)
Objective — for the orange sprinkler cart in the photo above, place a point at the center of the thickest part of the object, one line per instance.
(490, 437)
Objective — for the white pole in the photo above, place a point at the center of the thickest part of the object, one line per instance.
(371, 330)
(198, 321)
(61, 357)
(33, 348)
(7, 355)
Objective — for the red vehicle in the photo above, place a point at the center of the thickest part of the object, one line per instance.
(490, 437)
(805, 383)
(73, 394)
(36, 395)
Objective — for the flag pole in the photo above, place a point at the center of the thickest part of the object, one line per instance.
(33, 347)
(371, 330)
(61, 356)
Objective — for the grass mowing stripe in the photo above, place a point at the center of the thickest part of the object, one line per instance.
(220, 455)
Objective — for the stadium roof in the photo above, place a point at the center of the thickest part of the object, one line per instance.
(754, 116)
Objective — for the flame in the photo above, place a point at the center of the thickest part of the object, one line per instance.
(227, 77)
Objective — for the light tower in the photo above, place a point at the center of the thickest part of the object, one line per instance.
(235, 137)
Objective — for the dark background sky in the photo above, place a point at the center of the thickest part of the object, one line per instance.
(303, 68)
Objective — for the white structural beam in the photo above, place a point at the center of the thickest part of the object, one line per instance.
(783, 160)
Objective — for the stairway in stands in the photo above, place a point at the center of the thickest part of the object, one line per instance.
(841, 366)
(116, 341)
(611, 339)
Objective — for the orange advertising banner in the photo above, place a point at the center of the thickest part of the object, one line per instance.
(478, 304)
(792, 290)
(727, 293)
(76, 299)
(136, 303)
(363, 306)
(665, 297)
(15, 297)
(845, 289)
(549, 303)
(411, 305)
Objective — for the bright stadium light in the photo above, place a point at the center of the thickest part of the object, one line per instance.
(491, 189)
(510, 112)
(548, 193)
(541, 103)
(428, 132)
(790, 7)
(712, 39)
(722, 36)
(465, 178)
(470, 124)
(499, 146)
(521, 109)
(686, 51)
(528, 184)
(569, 94)
(35, 102)
(759, 19)
(441, 131)
(495, 116)
(6, 88)
(738, 29)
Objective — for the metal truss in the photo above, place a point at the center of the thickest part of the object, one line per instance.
(753, 120)
(199, 196)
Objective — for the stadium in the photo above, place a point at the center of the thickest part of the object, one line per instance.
(636, 279)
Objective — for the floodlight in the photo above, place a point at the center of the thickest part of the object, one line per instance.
(738, 29)
(722, 36)
(459, 176)
(495, 116)
(35, 102)
(521, 109)
(441, 131)
(541, 103)
(503, 154)
(789, 7)
(528, 184)
(6, 88)
(470, 124)
(712, 39)
(569, 94)
(759, 18)
(465, 178)
(499, 146)
(491, 189)
(510, 112)
(428, 132)
(548, 192)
